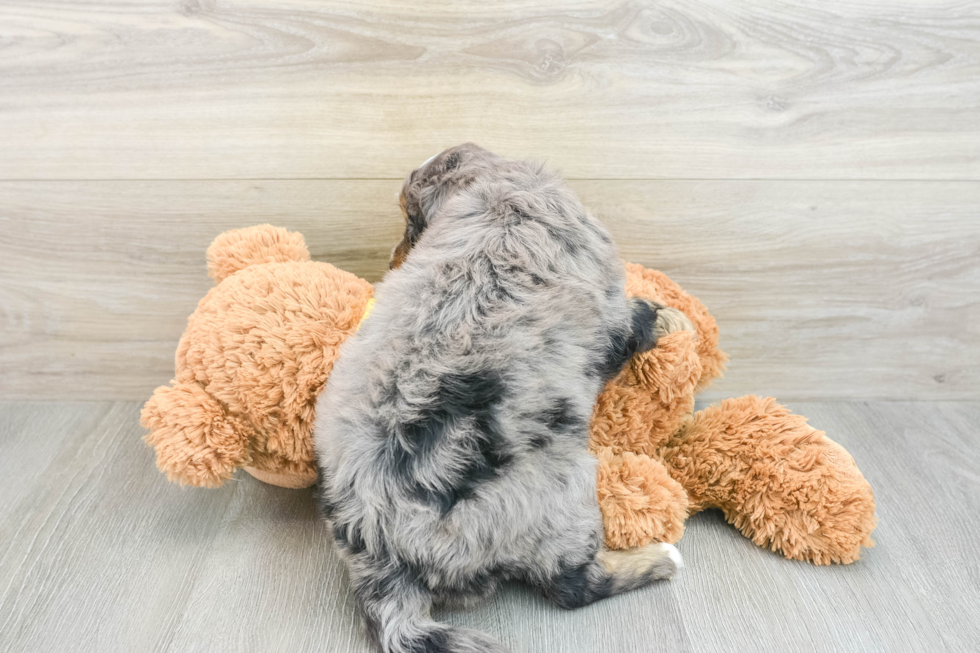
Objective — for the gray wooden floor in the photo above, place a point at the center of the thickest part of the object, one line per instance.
(99, 553)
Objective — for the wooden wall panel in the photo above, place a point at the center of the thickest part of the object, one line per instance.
(199, 89)
(830, 289)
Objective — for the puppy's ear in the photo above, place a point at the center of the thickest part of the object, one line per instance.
(426, 188)
(415, 221)
(452, 161)
(402, 249)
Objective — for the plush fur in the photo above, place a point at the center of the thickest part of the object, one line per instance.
(249, 401)
(260, 345)
(453, 432)
(252, 361)
(782, 483)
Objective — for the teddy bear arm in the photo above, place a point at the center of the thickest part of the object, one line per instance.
(647, 403)
(196, 442)
(655, 285)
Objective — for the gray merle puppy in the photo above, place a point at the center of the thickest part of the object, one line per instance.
(453, 432)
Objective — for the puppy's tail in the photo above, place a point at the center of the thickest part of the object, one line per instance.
(396, 608)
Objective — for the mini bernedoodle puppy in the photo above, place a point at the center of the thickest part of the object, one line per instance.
(453, 432)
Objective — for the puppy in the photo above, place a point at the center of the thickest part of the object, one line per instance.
(453, 432)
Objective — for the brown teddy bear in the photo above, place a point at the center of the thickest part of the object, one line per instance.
(260, 345)
(782, 483)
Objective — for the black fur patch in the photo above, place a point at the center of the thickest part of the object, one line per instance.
(459, 396)
(484, 465)
(642, 328)
(380, 586)
(540, 440)
(349, 537)
(623, 344)
(414, 227)
(573, 588)
(384, 581)
(559, 416)
(613, 356)
(422, 435)
(473, 393)
(434, 641)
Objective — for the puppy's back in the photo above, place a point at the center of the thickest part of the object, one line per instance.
(452, 434)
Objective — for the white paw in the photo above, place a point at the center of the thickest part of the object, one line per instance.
(670, 320)
(673, 554)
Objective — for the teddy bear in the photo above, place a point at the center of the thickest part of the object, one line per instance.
(782, 483)
(260, 345)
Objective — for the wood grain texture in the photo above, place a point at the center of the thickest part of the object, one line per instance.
(334, 89)
(94, 556)
(904, 594)
(830, 289)
(850, 289)
(99, 553)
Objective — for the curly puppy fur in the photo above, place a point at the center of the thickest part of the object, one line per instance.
(453, 432)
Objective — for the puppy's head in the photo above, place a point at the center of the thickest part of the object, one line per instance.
(426, 189)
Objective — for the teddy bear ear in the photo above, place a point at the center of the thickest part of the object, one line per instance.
(239, 248)
(195, 441)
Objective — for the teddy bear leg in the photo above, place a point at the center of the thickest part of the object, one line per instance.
(783, 484)
(195, 441)
(286, 480)
(640, 502)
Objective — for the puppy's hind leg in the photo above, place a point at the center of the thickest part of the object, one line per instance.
(396, 609)
(611, 573)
